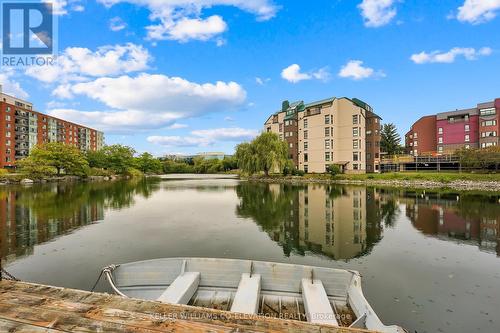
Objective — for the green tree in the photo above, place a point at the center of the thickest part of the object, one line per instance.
(97, 159)
(147, 163)
(119, 158)
(391, 140)
(265, 153)
(60, 156)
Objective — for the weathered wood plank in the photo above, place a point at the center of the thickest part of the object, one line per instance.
(85, 310)
(12, 326)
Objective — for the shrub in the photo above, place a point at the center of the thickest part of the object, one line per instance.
(334, 170)
(301, 173)
(3, 172)
(100, 172)
(134, 173)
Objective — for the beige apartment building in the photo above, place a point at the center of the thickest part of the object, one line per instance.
(334, 131)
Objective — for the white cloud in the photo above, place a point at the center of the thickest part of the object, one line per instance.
(187, 29)
(60, 7)
(293, 74)
(450, 56)
(10, 85)
(355, 70)
(262, 81)
(148, 101)
(203, 138)
(182, 19)
(478, 11)
(177, 126)
(77, 63)
(229, 119)
(377, 13)
(117, 24)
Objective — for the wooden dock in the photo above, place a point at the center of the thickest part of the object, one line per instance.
(26, 307)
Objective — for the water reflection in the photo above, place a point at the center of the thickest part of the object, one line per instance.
(34, 215)
(339, 222)
(470, 219)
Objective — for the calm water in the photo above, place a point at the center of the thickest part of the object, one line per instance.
(430, 262)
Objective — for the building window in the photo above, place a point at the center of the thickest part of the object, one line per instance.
(327, 131)
(306, 157)
(440, 130)
(355, 166)
(327, 144)
(467, 128)
(281, 127)
(489, 123)
(306, 145)
(355, 119)
(415, 143)
(487, 112)
(368, 132)
(355, 156)
(306, 170)
(368, 156)
(355, 144)
(440, 149)
(355, 131)
(305, 123)
(467, 138)
(7, 117)
(327, 119)
(327, 157)
(415, 135)
(7, 134)
(488, 134)
(467, 146)
(440, 140)
(291, 144)
(306, 135)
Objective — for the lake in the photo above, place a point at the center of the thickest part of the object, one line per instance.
(429, 260)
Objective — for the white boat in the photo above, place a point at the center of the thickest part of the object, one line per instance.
(315, 294)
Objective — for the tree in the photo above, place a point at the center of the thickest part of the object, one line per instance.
(391, 141)
(96, 158)
(59, 156)
(119, 158)
(265, 153)
(148, 164)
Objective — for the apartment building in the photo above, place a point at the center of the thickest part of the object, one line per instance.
(22, 128)
(333, 131)
(447, 132)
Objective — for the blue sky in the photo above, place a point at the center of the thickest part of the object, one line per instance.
(184, 76)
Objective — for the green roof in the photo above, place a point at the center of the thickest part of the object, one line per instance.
(323, 101)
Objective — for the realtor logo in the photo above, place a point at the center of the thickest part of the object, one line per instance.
(27, 33)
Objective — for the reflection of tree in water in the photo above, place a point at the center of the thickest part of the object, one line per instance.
(389, 207)
(62, 200)
(36, 214)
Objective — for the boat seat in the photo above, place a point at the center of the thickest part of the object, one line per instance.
(246, 299)
(316, 303)
(182, 289)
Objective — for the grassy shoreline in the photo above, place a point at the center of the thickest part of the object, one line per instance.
(421, 180)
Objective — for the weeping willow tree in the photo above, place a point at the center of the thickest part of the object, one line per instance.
(265, 153)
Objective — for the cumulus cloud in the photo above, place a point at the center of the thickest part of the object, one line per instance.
(478, 11)
(10, 85)
(294, 74)
(450, 56)
(78, 63)
(203, 138)
(182, 19)
(117, 24)
(377, 13)
(62, 7)
(149, 101)
(355, 70)
(177, 126)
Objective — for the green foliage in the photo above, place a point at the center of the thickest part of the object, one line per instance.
(55, 155)
(33, 169)
(148, 164)
(390, 140)
(484, 159)
(171, 166)
(3, 172)
(100, 172)
(265, 153)
(97, 159)
(134, 173)
(118, 158)
(334, 170)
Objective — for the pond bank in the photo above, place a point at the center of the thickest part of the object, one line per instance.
(458, 185)
(26, 180)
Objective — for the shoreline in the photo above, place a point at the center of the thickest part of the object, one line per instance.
(457, 185)
(5, 181)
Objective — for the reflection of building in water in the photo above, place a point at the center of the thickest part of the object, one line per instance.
(341, 223)
(449, 217)
(331, 224)
(22, 227)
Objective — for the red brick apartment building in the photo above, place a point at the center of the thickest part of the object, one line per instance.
(446, 132)
(22, 128)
